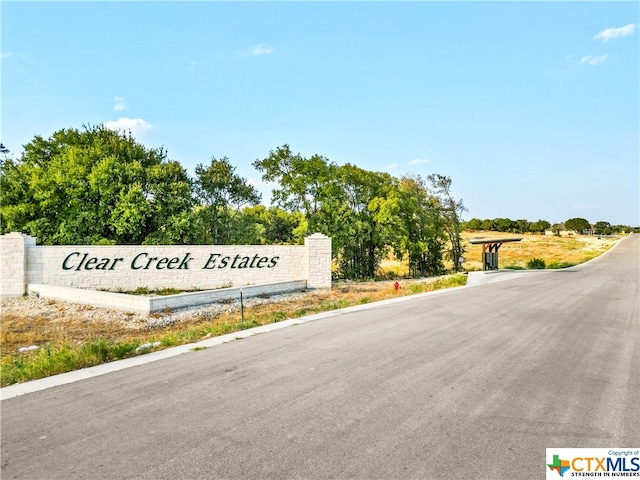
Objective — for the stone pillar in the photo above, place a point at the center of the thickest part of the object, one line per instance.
(13, 264)
(318, 261)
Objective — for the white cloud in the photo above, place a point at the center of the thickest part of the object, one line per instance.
(593, 60)
(5, 55)
(136, 126)
(260, 49)
(614, 33)
(118, 104)
(392, 166)
(419, 161)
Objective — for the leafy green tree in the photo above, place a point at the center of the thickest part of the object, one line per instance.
(92, 186)
(488, 225)
(602, 228)
(304, 184)
(539, 227)
(577, 224)
(16, 208)
(423, 227)
(245, 231)
(556, 228)
(522, 226)
(362, 211)
(451, 211)
(367, 214)
(278, 225)
(364, 217)
(473, 224)
(223, 193)
(504, 224)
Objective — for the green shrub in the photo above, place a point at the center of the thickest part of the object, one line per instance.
(536, 263)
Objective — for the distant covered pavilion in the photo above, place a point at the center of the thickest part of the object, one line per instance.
(490, 250)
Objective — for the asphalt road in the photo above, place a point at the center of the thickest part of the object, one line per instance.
(471, 383)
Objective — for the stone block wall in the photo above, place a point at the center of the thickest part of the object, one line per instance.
(124, 267)
(318, 257)
(13, 263)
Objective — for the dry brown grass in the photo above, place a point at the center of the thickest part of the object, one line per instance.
(27, 321)
(565, 249)
(22, 329)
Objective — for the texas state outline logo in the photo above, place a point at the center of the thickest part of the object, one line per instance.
(559, 465)
(592, 462)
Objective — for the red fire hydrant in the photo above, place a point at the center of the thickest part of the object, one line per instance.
(396, 286)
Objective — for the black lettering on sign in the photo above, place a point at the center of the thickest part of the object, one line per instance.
(184, 264)
(211, 262)
(134, 262)
(89, 263)
(78, 261)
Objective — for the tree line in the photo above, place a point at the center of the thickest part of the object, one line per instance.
(577, 224)
(98, 186)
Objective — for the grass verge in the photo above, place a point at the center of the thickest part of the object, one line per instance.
(64, 349)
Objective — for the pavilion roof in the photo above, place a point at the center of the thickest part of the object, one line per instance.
(475, 241)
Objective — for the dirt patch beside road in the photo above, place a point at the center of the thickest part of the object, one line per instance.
(31, 321)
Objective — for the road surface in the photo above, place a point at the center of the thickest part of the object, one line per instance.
(470, 383)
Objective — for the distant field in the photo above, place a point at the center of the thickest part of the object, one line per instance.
(552, 249)
(555, 251)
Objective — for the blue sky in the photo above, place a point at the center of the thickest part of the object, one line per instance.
(531, 108)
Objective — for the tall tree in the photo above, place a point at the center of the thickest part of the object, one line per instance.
(368, 223)
(224, 193)
(423, 226)
(303, 184)
(451, 211)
